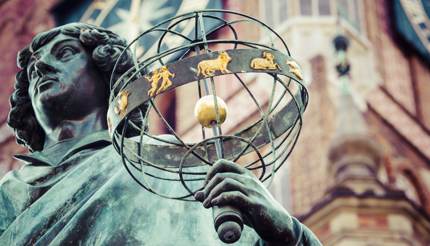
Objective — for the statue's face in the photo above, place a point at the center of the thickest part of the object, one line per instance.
(64, 82)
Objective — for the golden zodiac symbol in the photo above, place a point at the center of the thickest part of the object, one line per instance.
(109, 124)
(122, 103)
(163, 74)
(295, 69)
(208, 67)
(267, 62)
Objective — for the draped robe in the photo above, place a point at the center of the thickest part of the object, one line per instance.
(77, 192)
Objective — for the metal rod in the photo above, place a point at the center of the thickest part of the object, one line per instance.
(210, 90)
(218, 146)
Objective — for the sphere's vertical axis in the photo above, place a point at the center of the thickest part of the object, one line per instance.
(228, 220)
(210, 90)
(197, 50)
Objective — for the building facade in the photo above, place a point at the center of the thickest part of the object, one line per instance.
(332, 189)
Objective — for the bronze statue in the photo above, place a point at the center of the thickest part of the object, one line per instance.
(72, 188)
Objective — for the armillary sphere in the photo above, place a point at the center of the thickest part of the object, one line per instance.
(204, 52)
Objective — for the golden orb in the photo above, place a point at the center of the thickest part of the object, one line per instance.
(205, 111)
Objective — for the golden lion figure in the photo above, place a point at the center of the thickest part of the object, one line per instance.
(162, 73)
(267, 62)
(295, 69)
(208, 67)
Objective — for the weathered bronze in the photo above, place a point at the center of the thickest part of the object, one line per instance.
(73, 189)
(183, 69)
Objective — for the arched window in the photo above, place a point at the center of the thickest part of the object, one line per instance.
(406, 184)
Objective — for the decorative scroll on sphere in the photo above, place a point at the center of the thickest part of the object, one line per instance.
(201, 58)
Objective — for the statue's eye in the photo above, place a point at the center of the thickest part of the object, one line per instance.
(32, 74)
(66, 52)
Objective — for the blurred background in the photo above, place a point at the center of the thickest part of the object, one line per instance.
(360, 173)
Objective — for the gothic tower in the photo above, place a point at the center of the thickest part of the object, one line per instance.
(359, 209)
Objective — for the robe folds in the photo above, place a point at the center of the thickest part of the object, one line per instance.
(77, 192)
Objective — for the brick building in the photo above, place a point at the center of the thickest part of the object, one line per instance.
(384, 122)
(343, 202)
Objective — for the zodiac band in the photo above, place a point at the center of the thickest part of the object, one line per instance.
(200, 67)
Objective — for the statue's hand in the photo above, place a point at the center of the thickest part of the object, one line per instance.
(230, 184)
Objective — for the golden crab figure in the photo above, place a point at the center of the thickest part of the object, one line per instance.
(122, 103)
(265, 62)
(295, 69)
(208, 67)
(162, 73)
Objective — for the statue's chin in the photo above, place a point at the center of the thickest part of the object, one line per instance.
(53, 98)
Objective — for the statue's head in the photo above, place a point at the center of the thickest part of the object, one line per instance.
(64, 73)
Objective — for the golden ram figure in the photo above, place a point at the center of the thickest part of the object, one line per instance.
(267, 62)
(208, 67)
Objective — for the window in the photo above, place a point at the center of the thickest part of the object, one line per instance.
(349, 11)
(275, 11)
(306, 7)
(315, 7)
(282, 11)
(268, 12)
(324, 7)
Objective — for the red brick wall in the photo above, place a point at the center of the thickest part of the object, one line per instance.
(406, 80)
(405, 76)
(308, 169)
(20, 21)
(394, 61)
(421, 73)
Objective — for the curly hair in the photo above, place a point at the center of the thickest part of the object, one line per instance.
(105, 47)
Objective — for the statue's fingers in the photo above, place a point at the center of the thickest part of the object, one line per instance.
(218, 178)
(233, 198)
(226, 185)
(223, 166)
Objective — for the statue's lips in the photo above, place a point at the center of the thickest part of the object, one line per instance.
(45, 84)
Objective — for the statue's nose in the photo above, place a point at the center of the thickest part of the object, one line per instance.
(42, 67)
